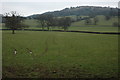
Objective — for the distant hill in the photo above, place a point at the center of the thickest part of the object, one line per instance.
(0, 18)
(82, 11)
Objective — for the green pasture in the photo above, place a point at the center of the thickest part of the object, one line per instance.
(59, 54)
(101, 23)
(95, 29)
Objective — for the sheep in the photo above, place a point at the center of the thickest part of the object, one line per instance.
(29, 50)
(15, 51)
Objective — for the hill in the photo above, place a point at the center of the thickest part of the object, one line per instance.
(82, 11)
(0, 18)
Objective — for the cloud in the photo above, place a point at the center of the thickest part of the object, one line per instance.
(29, 8)
(60, 0)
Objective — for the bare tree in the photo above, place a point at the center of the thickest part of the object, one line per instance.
(65, 22)
(42, 20)
(46, 20)
(14, 21)
(88, 21)
(95, 19)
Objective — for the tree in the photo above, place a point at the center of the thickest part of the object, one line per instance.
(95, 20)
(78, 18)
(65, 22)
(55, 22)
(49, 21)
(88, 21)
(107, 17)
(42, 20)
(46, 20)
(116, 24)
(14, 21)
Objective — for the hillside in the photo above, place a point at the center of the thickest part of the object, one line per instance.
(82, 11)
(0, 18)
(101, 23)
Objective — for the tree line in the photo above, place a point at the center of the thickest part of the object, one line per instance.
(47, 20)
(14, 21)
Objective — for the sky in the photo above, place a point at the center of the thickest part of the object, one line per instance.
(30, 7)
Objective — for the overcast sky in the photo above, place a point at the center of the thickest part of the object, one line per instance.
(29, 7)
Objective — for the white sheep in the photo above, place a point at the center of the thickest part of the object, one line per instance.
(15, 51)
(29, 50)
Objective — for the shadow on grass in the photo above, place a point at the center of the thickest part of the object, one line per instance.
(39, 71)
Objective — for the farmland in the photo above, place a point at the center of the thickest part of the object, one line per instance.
(59, 54)
(102, 25)
(47, 39)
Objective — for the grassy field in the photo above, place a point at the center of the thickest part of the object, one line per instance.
(59, 54)
(31, 23)
(0, 25)
(0, 54)
(101, 23)
(95, 29)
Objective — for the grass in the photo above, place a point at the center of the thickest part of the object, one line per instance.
(31, 23)
(102, 25)
(102, 22)
(59, 54)
(1, 53)
(95, 29)
(0, 25)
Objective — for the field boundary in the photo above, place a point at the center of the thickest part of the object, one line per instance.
(116, 33)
